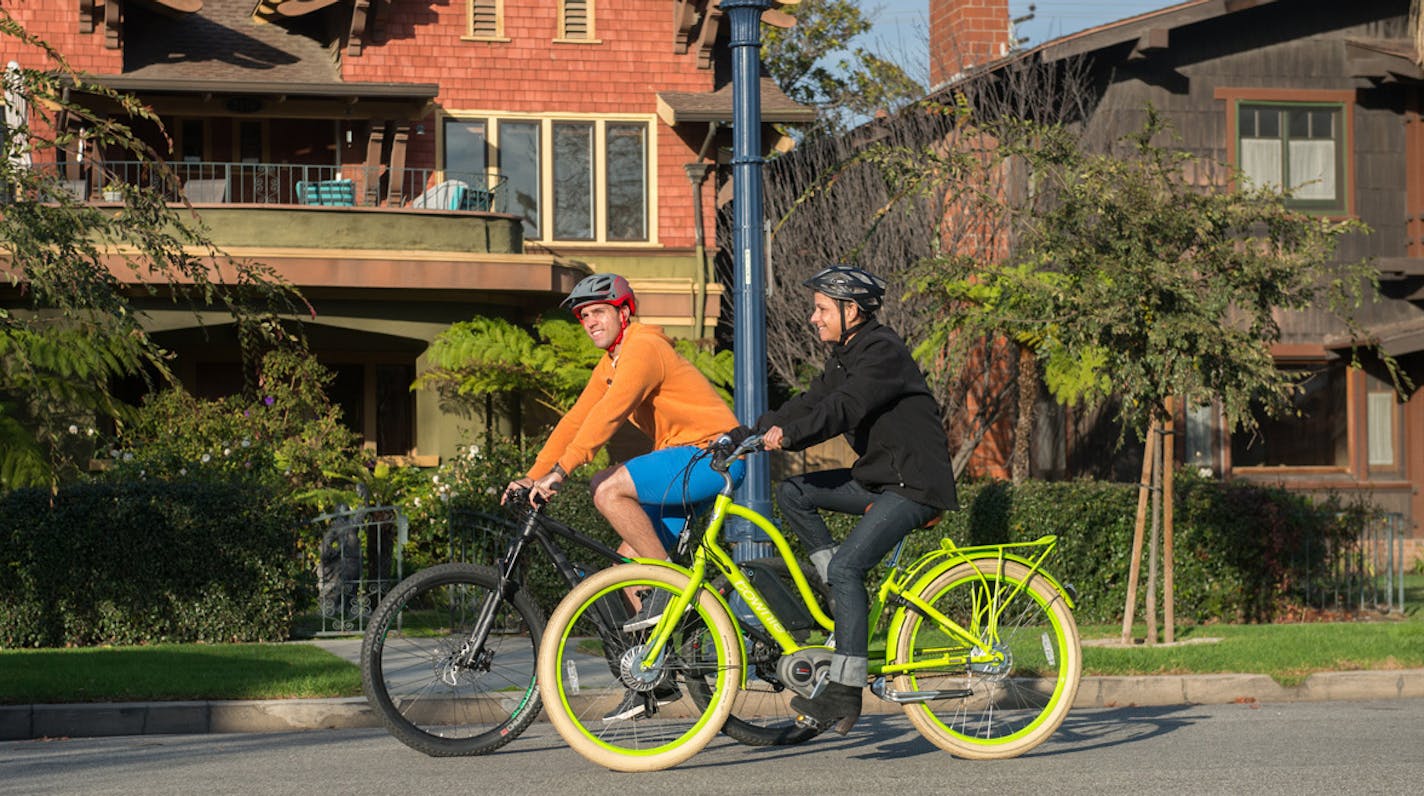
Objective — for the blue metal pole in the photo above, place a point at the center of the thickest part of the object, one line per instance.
(749, 258)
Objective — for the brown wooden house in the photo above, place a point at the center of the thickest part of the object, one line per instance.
(408, 164)
(1320, 95)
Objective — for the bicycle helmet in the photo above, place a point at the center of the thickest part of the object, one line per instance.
(848, 283)
(601, 289)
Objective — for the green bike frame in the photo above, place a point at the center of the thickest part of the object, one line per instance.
(901, 587)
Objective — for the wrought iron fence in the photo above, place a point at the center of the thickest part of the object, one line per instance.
(291, 184)
(1364, 572)
(359, 561)
(477, 537)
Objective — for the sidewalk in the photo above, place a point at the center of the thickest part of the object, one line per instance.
(19, 722)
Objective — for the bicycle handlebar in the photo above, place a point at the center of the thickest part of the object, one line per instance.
(725, 450)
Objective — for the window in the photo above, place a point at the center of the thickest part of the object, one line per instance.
(519, 162)
(486, 19)
(576, 20)
(1383, 422)
(1298, 146)
(627, 160)
(191, 133)
(466, 151)
(1311, 432)
(571, 179)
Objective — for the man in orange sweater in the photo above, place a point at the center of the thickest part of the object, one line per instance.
(642, 380)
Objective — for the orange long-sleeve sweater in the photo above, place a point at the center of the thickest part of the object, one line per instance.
(650, 385)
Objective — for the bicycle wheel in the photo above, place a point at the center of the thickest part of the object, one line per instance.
(992, 710)
(433, 692)
(585, 698)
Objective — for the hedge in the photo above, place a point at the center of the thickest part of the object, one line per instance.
(1243, 552)
(146, 561)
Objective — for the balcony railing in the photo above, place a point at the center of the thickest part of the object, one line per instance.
(290, 184)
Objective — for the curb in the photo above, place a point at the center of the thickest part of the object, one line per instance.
(24, 722)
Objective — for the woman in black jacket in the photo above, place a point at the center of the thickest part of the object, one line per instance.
(873, 392)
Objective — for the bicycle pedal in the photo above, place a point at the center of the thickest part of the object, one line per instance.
(807, 723)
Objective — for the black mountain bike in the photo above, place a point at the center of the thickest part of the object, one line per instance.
(449, 654)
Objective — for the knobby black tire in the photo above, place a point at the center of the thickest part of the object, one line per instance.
(1010, 710)
(408, 659)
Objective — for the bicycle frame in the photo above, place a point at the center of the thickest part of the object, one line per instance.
(900, 588)
(542, 529)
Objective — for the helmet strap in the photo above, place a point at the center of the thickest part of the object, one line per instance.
(623, 321)
(846, 333)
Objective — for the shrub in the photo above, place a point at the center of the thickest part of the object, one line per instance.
(1243, 552)
(146, 561)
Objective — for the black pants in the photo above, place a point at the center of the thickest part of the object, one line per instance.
(887, 521)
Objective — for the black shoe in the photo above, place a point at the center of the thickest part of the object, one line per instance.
(837, 707)
(652, 610)
(641, 704)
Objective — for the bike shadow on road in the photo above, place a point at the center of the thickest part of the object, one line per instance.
(891, 737)
(1081, 731)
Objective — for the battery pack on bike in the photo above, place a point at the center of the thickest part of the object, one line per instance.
(773, 582)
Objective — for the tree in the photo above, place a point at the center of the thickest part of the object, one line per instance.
(817, 63)
(72, 328)
(1142, 277)
(918, 185)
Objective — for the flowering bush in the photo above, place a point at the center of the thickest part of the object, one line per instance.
(471, 481)
(287, 435)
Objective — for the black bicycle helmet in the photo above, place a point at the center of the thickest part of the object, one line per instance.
(601, 289)
(848, 283)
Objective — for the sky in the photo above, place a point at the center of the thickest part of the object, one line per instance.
(901, 26)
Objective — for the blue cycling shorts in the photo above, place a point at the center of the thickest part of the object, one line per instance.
(672, 486)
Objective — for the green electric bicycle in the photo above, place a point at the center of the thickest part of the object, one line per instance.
(977, 644)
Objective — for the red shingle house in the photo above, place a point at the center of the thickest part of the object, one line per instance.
(408, 164)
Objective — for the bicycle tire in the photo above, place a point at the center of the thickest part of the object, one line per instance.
(411, 676)
(1011, 708)
(676, 731)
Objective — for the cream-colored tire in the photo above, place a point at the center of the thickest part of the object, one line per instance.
(579, 686)
(1011, 707)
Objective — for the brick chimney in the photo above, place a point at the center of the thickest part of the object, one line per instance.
(965, 33)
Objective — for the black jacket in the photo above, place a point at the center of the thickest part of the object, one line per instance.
(873, 392)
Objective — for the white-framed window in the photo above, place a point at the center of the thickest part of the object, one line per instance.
(1298, 145)
(1384, 424)
(485, 19)
(576, 20)
(572, 178)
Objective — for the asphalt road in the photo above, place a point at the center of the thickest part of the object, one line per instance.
(1257, 749)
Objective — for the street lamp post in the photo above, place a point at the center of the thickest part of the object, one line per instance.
(749, 257)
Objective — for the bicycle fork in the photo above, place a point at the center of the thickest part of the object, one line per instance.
(472, 653)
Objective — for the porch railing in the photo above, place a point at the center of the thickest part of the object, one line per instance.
(295, 184)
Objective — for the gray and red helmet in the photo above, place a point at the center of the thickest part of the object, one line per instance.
(601, 289)
(848, 283)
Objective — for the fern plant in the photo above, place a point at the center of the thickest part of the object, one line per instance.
(491, 356)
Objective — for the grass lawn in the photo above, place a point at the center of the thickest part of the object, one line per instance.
(1286, 652)
(174, 672)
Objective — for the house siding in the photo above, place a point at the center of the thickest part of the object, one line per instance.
(1302, 48)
